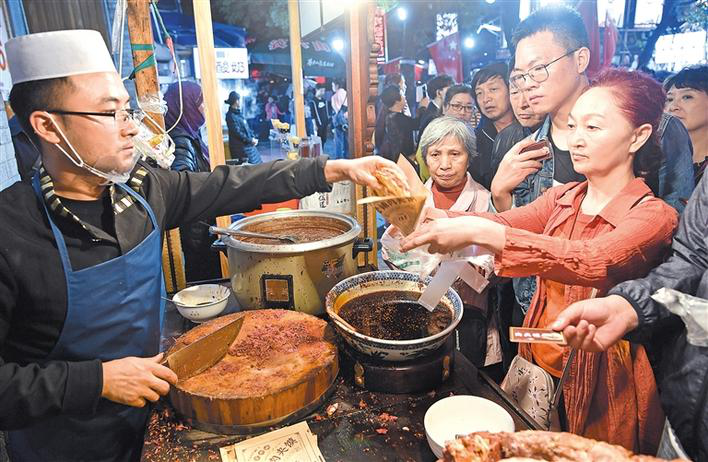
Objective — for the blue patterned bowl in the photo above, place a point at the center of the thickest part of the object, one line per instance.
(376, 281)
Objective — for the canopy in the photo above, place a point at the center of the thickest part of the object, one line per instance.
(181, 28)
(318, 58)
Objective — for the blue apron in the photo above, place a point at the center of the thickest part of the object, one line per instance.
(114, 310)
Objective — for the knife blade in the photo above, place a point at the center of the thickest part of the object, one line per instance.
(205, 352)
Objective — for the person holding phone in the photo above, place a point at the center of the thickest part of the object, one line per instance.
(436, 88)
(583, 238)
(551, 58)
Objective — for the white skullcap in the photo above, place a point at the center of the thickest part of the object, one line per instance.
(50, 55)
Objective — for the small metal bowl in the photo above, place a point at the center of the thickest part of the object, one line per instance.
(376, 281)
(202, 302)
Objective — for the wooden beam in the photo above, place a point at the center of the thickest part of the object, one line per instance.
(296, 66)
(146, 84)
(210, 89)
(361, 96)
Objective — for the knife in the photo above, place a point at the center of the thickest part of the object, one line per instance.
(204, 353)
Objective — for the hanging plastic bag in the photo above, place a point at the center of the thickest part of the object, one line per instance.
(693, 311)
(157, 146)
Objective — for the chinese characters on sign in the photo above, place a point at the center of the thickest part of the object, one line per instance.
(380, 34)
(231, 63)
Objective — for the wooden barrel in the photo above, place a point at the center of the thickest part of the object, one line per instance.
(282, 363)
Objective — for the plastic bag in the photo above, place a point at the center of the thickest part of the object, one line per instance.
(159, 147)
(692, 310)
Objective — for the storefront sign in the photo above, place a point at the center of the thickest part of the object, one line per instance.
(380, 34)
(231, 63)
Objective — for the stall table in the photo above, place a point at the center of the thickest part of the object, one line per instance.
(353, 425)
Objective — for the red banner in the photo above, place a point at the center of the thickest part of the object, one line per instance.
(380, 34)
(609, 44)
(446, 54)
(588, 11)
(392, 67)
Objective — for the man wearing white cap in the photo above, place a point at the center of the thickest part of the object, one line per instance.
(80, 246)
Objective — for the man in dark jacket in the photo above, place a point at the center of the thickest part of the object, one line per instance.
(81, 286)
(437, 87)
(242, 142)
(319, 106)
(629, 311)
(491, 95)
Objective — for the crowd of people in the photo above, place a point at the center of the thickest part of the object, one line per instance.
(588, 179)
(587, 192)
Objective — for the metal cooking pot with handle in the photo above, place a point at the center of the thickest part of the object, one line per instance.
(270, 274)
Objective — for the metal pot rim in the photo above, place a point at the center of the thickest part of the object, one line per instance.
(451, 295)
(344, 238)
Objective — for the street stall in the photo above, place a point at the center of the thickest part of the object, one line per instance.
(352, 419)
(309, 350)
(287, 364)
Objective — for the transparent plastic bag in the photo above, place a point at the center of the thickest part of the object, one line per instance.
(159, 147)
(692, 310)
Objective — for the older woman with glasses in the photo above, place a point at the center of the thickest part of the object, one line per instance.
(447, 146)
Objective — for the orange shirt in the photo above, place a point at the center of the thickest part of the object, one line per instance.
(610, 396)
(548, 355)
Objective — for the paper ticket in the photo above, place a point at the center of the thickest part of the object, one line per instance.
(401, 211)
(532, 335)
(292, 444)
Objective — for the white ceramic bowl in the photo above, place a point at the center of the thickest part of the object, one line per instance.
(202, 302)
(460, 415)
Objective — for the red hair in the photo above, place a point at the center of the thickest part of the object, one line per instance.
(641, 100)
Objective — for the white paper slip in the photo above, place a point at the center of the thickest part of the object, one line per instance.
(295, 443)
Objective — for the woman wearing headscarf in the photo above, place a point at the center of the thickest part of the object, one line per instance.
(192, 155)
(191, 152)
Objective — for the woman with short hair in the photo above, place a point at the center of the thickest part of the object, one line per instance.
(394, 130)
(687, 100)
(447, 146)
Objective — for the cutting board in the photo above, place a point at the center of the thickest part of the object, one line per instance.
(280, 367)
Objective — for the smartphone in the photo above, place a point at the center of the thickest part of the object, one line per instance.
(421, 92)
(543, 142)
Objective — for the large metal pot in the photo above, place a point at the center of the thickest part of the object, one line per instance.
(394, 282)
(292, 276)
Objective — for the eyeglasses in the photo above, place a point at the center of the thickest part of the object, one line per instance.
(121, 116)
(462, 107)
(537, 73)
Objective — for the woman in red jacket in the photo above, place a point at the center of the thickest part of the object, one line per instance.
(585, 237)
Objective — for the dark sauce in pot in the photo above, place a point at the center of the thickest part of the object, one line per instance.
(301, 229)
(394, 315)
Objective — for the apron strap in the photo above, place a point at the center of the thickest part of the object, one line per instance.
(59, 237)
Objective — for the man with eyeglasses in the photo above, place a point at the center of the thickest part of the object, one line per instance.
(551, 58)
(80, 261)
(491, 95)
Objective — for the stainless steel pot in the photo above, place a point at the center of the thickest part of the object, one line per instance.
(292, 276)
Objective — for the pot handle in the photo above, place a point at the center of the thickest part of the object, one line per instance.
(362, 245)
(219, 246)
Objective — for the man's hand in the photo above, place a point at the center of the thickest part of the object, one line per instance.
(133, 381)
(360, 171)
(255, 141)
(596, 324)
(512, 170)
